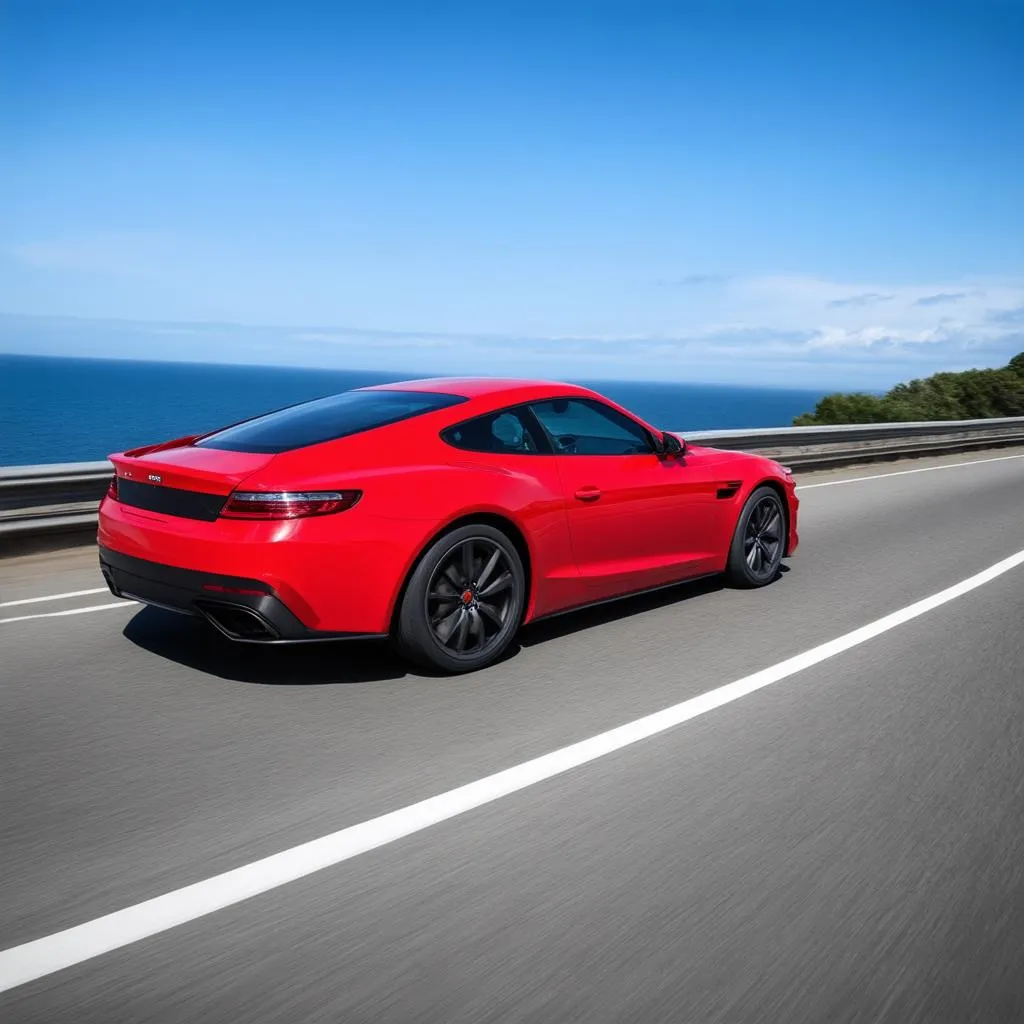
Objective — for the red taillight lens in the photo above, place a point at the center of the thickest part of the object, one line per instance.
(112, 488)
(287, 504)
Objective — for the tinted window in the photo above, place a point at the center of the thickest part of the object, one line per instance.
(325, 420)
(580, 426)
(504, 432)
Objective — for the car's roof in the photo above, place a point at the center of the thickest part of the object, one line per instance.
(484, 387)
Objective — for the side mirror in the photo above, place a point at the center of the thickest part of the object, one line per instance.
(672, 445)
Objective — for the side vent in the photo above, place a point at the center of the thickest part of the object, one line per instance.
(729, 490)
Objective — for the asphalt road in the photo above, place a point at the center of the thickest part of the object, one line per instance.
(846, 844)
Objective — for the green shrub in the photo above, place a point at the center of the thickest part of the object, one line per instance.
(970, 395)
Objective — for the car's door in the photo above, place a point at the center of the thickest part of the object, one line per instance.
(637, 519)
(510, 444)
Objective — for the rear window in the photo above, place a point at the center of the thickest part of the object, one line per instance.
(325, 419)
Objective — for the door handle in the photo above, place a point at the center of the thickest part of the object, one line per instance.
(588, 494)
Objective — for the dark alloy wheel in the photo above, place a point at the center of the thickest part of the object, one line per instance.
(760, 540)
(464, 601)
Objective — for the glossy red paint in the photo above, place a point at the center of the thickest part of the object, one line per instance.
(590, 527)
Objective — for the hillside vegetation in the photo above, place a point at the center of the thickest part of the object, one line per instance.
(970, 395)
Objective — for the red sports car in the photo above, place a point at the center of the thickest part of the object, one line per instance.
(441, 513)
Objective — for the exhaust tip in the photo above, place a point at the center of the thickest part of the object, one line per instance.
(237, 622)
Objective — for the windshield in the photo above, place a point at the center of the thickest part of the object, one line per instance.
(326, 419)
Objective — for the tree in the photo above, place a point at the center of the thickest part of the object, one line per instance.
(971, 394)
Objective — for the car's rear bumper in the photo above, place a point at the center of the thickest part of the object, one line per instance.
(245, 610)
(336, 575)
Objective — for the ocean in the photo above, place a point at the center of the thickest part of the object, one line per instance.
(81, 410)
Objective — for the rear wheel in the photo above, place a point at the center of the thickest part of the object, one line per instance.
(759, 542)
(464, 601)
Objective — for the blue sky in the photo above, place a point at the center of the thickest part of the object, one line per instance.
(821, 194)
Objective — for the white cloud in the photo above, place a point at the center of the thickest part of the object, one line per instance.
(818, 314)
(783, 328)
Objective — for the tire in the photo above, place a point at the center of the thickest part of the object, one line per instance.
(759, 541)
(464, 601)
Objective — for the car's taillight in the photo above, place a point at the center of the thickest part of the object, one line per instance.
(287, 504)
(112, 488)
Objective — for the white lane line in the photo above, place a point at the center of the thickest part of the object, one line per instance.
(55, 597)
(36, 959)
(72, 611)
(907, 472)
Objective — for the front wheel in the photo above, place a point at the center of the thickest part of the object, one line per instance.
(759, 542)
(464, 601)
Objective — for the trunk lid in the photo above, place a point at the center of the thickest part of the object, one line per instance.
(179, 480)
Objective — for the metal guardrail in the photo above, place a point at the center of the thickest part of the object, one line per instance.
(831, 447)
(788, 437)
(39, 500)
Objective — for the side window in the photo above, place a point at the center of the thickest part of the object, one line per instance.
(497, 433)
(580, 426)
